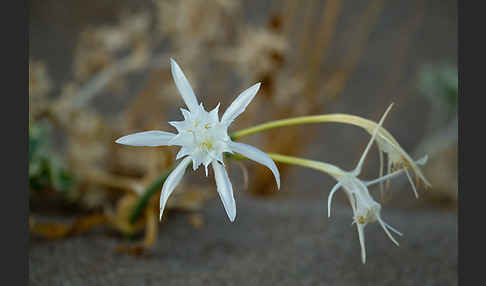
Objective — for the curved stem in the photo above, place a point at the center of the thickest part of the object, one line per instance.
(327, 168)
(366, 124)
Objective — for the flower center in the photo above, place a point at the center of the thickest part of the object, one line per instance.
(206, 146)
(365, 219)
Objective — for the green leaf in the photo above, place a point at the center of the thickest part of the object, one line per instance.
(147, 194)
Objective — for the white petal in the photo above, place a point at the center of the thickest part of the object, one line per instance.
(361, 236)
(411, 183)
(213, 114)
(329, 199)
(239, 105)
(186, 114)
(197, 159)
(183, 86)
(422, 161)
(146, 138)
(179, 125)
(392, 228)
(225, 190)
(256, 155)
(386, 230)
(357, 171)
(182, 139)
(182, 152)
(172, 181)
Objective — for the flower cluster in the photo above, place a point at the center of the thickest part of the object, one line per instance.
(365, 208)
(203, 138)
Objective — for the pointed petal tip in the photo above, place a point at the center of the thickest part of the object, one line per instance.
(258, 156)
(122, 140)
(146, 138)
(239, 105)
(173, 64)
(225, 190)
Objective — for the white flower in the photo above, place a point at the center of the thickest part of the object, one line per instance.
(365, 208)
(398, 159)
(203, 138)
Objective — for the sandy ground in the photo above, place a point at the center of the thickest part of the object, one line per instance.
(277, 241)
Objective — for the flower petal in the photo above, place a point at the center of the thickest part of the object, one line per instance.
(172, 181)
(186, 114)
(225, 190)
(184, 151)
(179, 125)
(213, 114)
(357, 171)
(183, 86)
(382, 223)
(256, 155)
(239, 105)
(182, 139)
(361, 236)
(329, 199)
(146, 138)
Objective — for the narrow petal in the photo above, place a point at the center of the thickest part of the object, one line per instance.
(182, 152)
(186, 114)
(182, 139)
(422, 161)
(329, 199)
(147, 138)
(393, 229)
(213, 114)
(382, 190)
(183, 86)
(179, 125)
(171, 182)
(386, 230)
(256, 155)
(225, 190)
(375, 132)
(411, 183)
(361, 236)
(239, 105)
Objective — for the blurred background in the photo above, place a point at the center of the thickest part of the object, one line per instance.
(99, 70)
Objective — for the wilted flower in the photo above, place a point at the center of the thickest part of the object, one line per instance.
(365, 208)
(203, 138)
(398, 159)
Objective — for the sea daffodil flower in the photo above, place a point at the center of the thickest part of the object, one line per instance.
(365, 208)
(398, 159)
(203, 138)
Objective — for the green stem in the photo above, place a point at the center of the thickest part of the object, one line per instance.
(327, 168)
(338, 118)
(147, 194)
